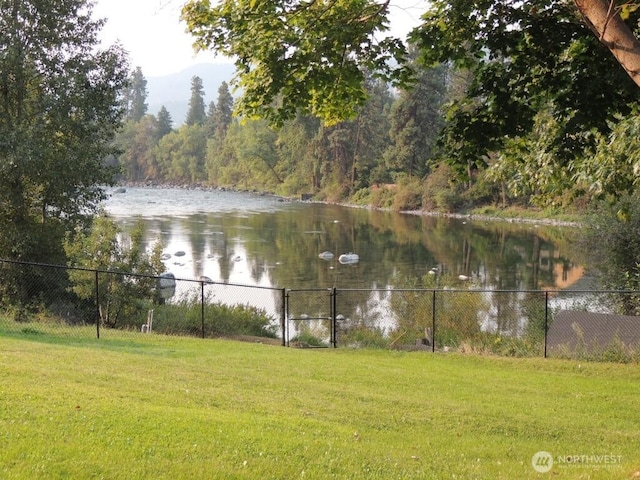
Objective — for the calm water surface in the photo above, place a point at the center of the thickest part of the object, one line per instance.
(261, 240)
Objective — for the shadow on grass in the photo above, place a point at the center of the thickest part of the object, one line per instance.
(33, 333)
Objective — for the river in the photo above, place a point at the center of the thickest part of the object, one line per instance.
(253, 239)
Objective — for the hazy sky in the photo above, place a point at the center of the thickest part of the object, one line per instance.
(156, 41)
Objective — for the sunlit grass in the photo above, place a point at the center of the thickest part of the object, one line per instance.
(150, 406)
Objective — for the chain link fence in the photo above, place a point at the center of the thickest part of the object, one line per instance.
(56, 300)
(64, 301)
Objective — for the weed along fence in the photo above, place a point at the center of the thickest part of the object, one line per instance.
(58, 300)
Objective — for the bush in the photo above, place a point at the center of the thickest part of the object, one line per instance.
(408, 194)
(307, 339)
(185, 317)
(363, 337)
(363, 196)
(613, 245)
(122, 296)
(439, 193)
(483, 191)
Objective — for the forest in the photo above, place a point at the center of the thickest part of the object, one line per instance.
(388, 147)
(533, 113)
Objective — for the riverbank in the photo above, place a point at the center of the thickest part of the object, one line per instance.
(494, 218)
(494, 214)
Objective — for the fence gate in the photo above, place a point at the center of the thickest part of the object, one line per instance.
(310, 318)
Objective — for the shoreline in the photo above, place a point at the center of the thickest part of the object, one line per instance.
(424, 213)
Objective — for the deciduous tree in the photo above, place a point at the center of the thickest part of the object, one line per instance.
(525, 58)
(121, 296)
(292, 56)
(606, 19)
(60, 105)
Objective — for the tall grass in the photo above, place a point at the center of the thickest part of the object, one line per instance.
(150, 406)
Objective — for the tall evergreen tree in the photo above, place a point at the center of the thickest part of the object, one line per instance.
(224, 110)
(210, 123)
(219, 120)
(165, 123)
(137, 96)
(196, 114)
(416, 121)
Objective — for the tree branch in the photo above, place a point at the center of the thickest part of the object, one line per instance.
(604, 19)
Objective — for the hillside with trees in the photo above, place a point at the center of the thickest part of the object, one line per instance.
(513, 106)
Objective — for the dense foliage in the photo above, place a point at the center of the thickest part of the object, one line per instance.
(612, 242)
(60, 105)
(520, 104)
(541, 88)
(390, 140)
(288, 52)
(104, 249)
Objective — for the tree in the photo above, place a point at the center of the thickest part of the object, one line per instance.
(416, 121)
(611, 239)
(136, 97)
(525, 58)
(370, 133)
(181, 154)
(311, 42)
(121, 296)
(138, 141)
(223, 110)
(60, 105)
(196, 114)
(292, 56)
(606, 19)
(257, 155)
(296, 156)
(210, 123)
(165, 123)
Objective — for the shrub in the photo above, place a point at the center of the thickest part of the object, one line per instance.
(612, 240)
(438, 192)
(307, 339)
(363, 337)
(408, 194)
(185, 317)
(122, 296)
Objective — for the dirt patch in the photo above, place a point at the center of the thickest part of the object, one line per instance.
(254, 339)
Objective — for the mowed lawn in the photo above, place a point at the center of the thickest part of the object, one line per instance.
(137, 407)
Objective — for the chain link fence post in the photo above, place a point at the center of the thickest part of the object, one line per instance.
(334, 325)
(97, 305)
(283, 316)
(546, 321)
(433, 322)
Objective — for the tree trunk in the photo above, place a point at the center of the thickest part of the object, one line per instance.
(604, 19)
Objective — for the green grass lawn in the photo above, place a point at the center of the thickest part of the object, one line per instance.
(133, 407)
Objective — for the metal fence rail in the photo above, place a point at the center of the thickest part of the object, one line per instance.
(59, 300)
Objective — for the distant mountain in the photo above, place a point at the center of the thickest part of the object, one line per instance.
(173, 91)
